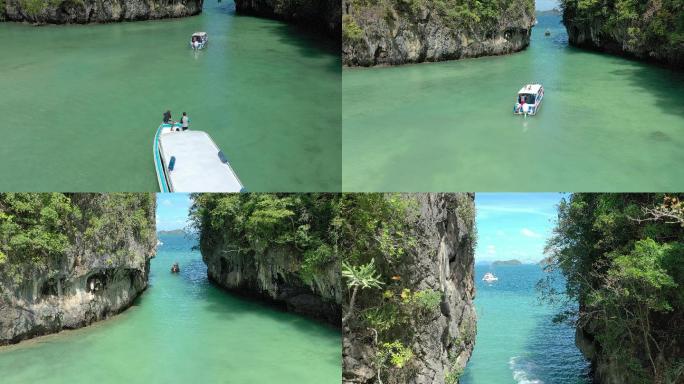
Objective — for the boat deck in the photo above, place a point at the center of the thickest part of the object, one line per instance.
(198, 165)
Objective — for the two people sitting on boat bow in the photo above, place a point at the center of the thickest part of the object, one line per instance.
(185, 121)
(195, 42)
(175, 268)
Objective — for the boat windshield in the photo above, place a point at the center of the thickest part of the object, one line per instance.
(528, 97)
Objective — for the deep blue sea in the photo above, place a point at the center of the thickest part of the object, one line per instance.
(517, 342)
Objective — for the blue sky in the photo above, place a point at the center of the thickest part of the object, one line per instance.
(172, 211)
(514, 225)
(545, 5)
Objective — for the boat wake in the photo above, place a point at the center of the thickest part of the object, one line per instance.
(523, 370)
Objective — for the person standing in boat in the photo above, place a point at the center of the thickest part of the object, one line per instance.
(185, 121)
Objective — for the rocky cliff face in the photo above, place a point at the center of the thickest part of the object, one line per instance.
(648, 30)
(443, 262)
(273, 275)
(605, 370)
(322, 14)
(95, 11)
(90, 281)
(377, 32)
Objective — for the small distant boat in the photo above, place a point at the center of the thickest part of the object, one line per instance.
(190, 161)
(529, 100)
(175, 268)
(199, 40)
(547, 33)
(489, 277)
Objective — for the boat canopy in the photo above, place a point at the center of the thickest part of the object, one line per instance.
(202, 35)
(530, 88)
(199, 165)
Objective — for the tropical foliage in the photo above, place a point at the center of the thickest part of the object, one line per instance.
(38, 231)
(256, 222)
(459, 14)
(642, 25)
(378, 238)
(623, 259)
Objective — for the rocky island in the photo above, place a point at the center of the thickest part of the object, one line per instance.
(95, 11)
(277, 247)
(507, 262)
(392, 32)
(409, 264)
(67, 260)
(649, 30)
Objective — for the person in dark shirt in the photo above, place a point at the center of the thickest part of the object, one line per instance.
(167, 118)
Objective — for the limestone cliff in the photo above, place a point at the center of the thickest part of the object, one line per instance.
(273, 274)
(321, 14)
(428, 326)
(273, 246)
(95, 11)
(99, 267)
(377, 32)
(649, 29)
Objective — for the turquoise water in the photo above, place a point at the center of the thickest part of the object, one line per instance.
(182, 330)
(516, 342)
(79, 105)
(606, 123)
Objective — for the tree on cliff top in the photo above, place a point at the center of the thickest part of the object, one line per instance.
(623, 259)
(255, 222)
(37, 230)
(641, 25)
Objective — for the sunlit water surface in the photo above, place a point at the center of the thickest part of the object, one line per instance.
(606, 123)
(79, 105)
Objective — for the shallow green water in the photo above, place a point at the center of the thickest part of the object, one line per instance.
(79, 105)
(517, 342)
(606, 123)
(183, 330)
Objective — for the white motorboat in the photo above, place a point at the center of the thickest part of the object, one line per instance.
(529, 100)
(190, 161)
(199, 40)
(489, 277)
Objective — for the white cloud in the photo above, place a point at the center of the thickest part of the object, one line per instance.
(491, 250)
(500, 233)
(529, 233)
(167, 202)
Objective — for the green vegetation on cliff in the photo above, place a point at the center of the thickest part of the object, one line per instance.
(457, 14)
(38, 229)
(379, 238)
(622, 256)
(34, 7)
(641, 27)
(257, 221)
